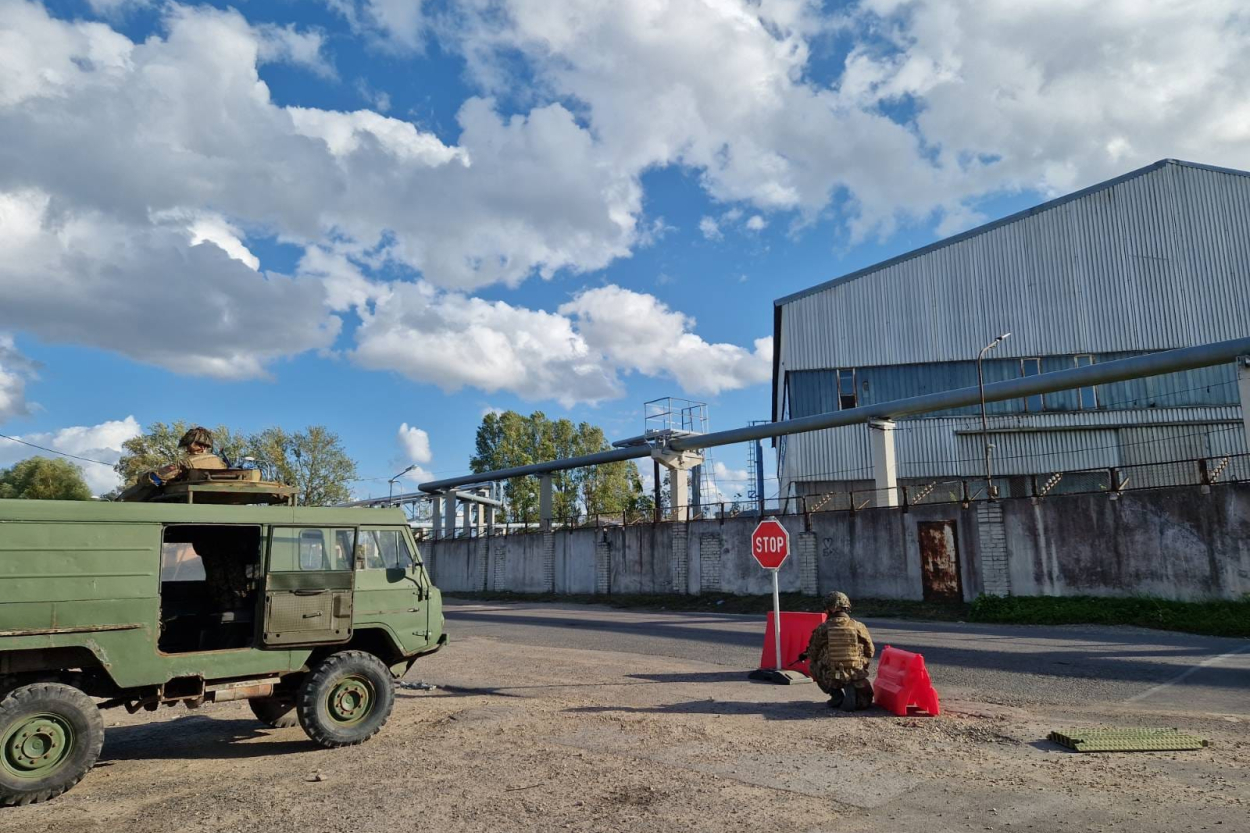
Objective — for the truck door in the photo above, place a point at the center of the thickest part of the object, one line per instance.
(391, 587)
(308, 586)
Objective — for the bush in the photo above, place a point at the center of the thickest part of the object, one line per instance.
(1217, 618)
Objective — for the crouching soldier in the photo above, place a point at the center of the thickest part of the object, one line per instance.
(839, 652)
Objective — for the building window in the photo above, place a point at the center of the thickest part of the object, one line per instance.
(846, 390)
(1086, 398)
(1032, 367)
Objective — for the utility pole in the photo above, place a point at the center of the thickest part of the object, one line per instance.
(985, 423)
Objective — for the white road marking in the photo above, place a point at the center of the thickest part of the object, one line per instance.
(1193, 669)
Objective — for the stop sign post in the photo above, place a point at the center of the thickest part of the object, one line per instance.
(770, 546)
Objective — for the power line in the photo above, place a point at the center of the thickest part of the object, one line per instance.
(55, 451)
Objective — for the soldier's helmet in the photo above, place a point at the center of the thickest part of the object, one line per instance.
(837, 601)
(198, 435)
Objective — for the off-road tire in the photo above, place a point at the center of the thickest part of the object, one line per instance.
(324, 703)
(51, 712)
(275, 712)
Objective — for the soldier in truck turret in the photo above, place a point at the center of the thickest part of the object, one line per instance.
(839, 652)
(196, 448)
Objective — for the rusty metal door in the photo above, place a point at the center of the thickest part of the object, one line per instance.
(939, 561)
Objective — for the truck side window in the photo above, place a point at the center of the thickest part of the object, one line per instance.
(388, 550)
(295, 549)
(312, 550)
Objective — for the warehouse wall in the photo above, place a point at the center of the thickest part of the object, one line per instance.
(1177, 543)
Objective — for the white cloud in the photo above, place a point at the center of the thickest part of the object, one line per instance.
(101, 442)
(639, 332)
(452, 341)
(116, 8)
(286, 44)
(985, 97)
(415, 443)
(710, 228)
(143, 290)
(135, 175)
(394, 25)
(114, 150)
(573, 355)
(735, 477)
(1034, 94)
(15, 371)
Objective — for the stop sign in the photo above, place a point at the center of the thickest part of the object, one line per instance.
(770, 543)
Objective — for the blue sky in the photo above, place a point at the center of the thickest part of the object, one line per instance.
(367, 213)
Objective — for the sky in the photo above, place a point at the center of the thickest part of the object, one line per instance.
(390, 218)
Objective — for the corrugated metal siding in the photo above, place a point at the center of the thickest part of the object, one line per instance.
(1037, 444)
(1154, 262)
(815, 391)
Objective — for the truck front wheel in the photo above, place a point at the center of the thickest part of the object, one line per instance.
(346, 699)
(50, 737)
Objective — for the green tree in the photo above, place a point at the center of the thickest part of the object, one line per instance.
(42, 479)
(510, 439)
(312, 460)
(158, 446)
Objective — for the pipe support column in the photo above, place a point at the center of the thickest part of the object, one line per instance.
(1243, 387)
(884, 465)
(545, 502)
(679, 493)
(449, 516)
(436, 516)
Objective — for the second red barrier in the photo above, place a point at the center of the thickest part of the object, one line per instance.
(903, 681)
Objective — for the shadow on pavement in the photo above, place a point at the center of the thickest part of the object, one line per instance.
(790, 710)
(696, 677)
(196, 737)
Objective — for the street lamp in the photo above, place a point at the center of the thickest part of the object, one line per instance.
(985, 423)
(391, 483)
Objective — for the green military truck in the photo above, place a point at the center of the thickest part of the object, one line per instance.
(309, 614)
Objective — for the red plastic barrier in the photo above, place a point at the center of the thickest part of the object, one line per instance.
(796, 632)
(902, 681)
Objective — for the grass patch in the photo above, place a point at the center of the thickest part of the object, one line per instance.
(1224, 618)
(1231, 618)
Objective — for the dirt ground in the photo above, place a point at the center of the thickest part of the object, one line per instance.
(561, 739)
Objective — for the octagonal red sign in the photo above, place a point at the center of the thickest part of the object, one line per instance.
(770, 543)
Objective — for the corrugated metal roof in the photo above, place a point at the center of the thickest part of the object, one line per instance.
(1002, 221)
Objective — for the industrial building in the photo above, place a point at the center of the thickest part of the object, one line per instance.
(1155, 259)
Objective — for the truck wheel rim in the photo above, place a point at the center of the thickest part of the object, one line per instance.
(351, 700)
(37, 746)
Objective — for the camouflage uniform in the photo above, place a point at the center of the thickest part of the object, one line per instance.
(838, 653)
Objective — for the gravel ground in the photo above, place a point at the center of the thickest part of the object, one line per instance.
(551, 738)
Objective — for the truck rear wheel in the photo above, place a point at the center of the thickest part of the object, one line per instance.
(50, 737)
(346, 699)
(275, 712)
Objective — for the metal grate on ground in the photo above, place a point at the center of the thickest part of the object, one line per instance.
(1127, 740)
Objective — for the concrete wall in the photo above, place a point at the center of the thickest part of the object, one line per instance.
(1175, 543)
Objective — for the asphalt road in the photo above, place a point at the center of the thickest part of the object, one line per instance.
(1008, 664)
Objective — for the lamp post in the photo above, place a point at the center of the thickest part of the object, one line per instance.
(391, 483)
(985, 423)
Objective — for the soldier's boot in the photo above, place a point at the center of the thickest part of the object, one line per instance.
(835, 698)
(849, 698)
(864, 694)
